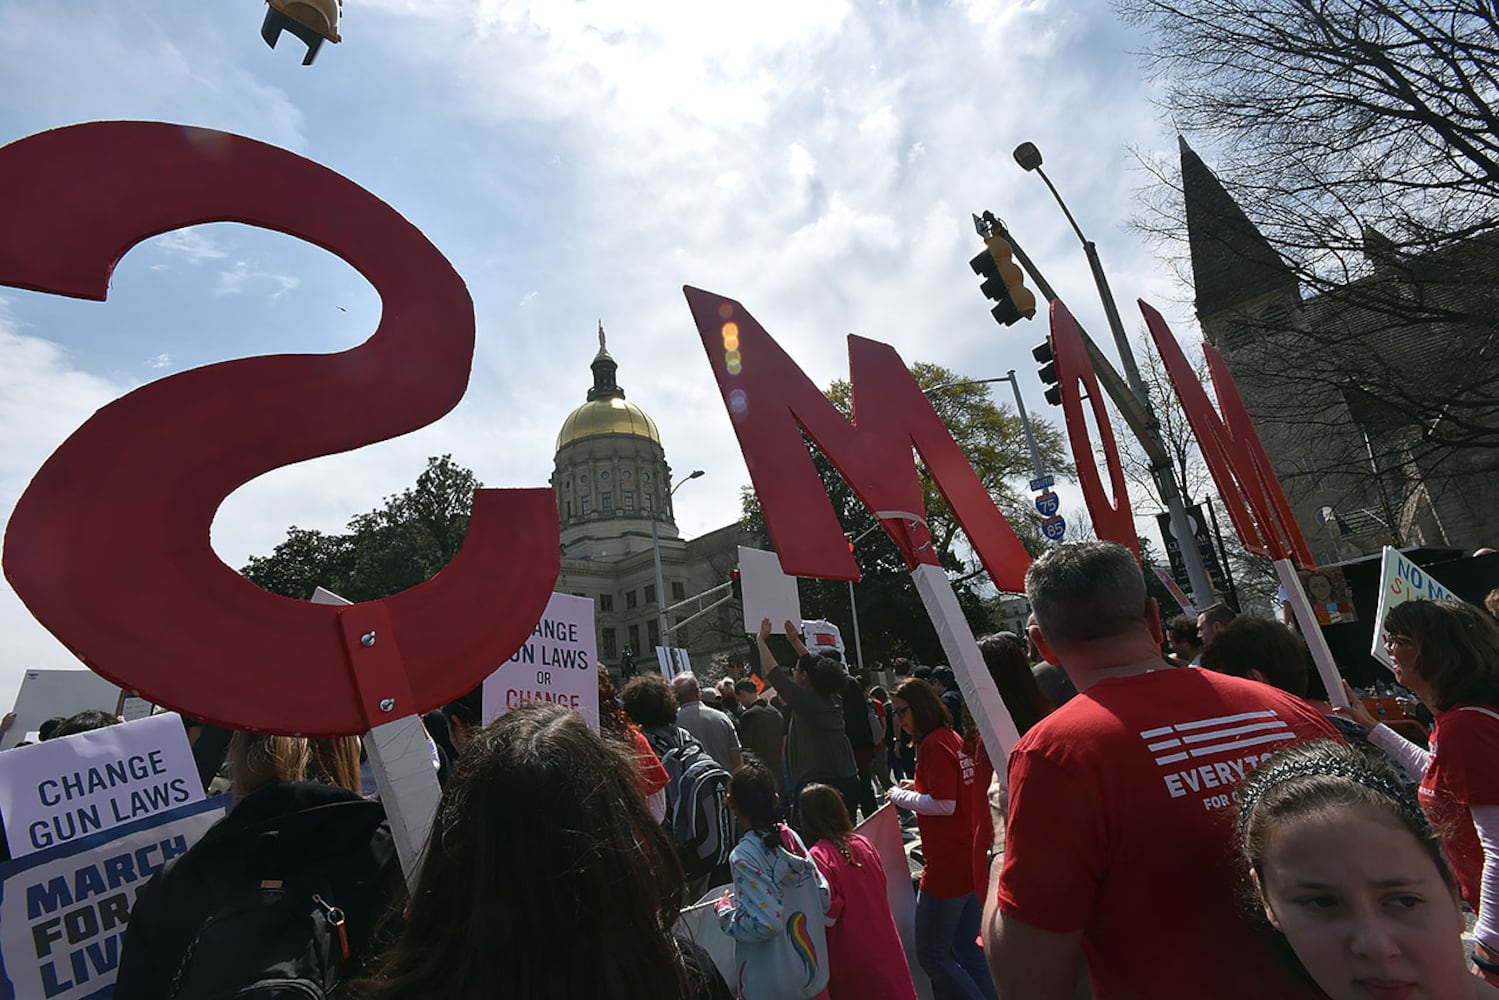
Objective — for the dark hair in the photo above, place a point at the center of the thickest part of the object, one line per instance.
(468, 709)
(753, 790)
(824, 816)
(900, 667)
(1218, 614)
(826, 675)
(612, 721)
(1247, 644)
(922, 673)
(1320, 777)
(747, 685)
(47, 730)
(927, 711)
(945, 675)
(1004, 655)
(650, 701)
(595, 867)
(1183, 629)
(1457, 649)
(85, 721)
(1086, 590)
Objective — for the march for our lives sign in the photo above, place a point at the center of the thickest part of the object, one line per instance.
(63, 911)
(64, 789)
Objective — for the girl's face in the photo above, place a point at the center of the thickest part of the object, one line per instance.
(903, 717)
(1364, 908)
(1320, 587)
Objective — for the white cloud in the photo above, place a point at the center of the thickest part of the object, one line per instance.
(241, 277)
(160, 361)
(191, 244)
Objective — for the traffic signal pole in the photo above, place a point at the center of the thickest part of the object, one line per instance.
(1132, 401)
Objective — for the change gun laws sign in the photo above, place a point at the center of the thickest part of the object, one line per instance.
(64, 789)
(558, 663)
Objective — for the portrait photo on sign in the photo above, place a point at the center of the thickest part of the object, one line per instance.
(1327, 590)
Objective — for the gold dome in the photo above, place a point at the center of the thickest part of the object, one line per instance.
(607, 416)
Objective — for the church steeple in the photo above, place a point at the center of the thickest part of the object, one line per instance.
(1232, 262)
(605, 369)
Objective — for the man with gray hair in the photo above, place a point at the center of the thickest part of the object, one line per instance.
(710, 727)
(1120, 841)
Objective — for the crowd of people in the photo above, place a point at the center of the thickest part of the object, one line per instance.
(1185, 815)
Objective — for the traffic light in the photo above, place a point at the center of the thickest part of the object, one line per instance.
(311, 21)
(1048, 372)
(1003, 282)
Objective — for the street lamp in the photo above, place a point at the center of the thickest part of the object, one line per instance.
(853, 606)
(656, 551)
(1029, 158)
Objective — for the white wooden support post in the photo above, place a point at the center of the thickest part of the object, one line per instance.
(980, 694)
(1311, 631)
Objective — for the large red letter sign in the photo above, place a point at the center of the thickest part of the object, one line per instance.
(771, 401)
(109, 545)
(1112, 518)
(1232, 449)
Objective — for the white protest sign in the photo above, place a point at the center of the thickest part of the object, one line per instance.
(558, 663)
(1177, 593)
(1311, 632)
(766, 591)
(71, 787)
(672, 660)
(1401, 580)
(63, 911)
(49, 694)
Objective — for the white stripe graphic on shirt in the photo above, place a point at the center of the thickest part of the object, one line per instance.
(1206, 737)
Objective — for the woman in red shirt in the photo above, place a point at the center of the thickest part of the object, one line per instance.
(1447, 653)
(947, 911)
(650, 776)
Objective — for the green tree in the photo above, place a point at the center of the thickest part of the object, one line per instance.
(398, 545)
(892, 621)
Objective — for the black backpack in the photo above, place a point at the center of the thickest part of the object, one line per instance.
(288, 905)
(697, 801)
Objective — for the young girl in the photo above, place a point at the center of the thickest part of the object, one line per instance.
(866, 960)
(777, 911)
(947, 911)
(1348, 869)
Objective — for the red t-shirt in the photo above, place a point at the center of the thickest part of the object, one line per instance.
(1122, 826)
(650, 775)
(945, 772)
(983, 819)
(1460, 775)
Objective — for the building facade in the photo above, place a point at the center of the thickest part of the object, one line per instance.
(1374, 395)
(614, 500)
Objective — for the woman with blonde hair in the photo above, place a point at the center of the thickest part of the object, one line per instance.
(288, 885)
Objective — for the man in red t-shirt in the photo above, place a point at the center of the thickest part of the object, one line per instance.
(1120, 845)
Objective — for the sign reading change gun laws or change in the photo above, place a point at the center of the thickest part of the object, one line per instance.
(558, 663)
(64, 789)
(1401, 580)
(63, 911)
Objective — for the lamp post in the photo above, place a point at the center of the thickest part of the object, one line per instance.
(1029, 158)
(664, 639)
(853, 606)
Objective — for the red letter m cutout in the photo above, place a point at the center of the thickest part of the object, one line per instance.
(771, 401)
(1231, 447)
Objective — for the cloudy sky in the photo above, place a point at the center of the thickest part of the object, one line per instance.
(817, 160)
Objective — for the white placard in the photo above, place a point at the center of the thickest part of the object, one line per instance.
(558, 663)
(63, 911)
(68, 788)
(1401, 580)
(50, 694)
(672, 661)
(767, 592)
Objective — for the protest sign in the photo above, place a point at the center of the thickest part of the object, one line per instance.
(50, 694)
(767, 592)
(1177, 593)
(63, 911)
(558, 663)
(68, 788)
(1401, 580)
(672, 660)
